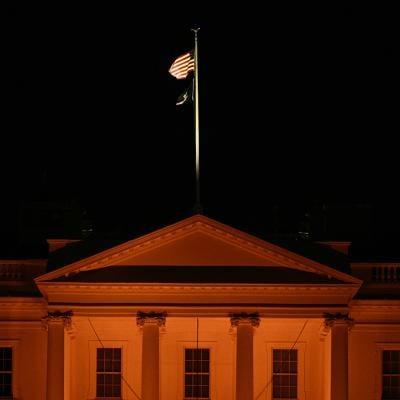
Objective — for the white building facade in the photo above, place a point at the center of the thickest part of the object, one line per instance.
(199, 310)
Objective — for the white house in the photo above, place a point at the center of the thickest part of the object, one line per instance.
(199, 310)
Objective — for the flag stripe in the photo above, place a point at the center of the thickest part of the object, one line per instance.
(181, 67)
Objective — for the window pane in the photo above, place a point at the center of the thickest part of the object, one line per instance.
(188, 366)
(277, 366)
(293, 367)
(276, 380)
(108, 353)
(117, 391)
(100, 354)
(276, 355)
(285, 379)
(188, 380)
(116, 367)
(7, 365)
(285, 366)
(108, 391)
(99, 390)
(285, 392)
(196, 391)
(386, 355)
(117, 354)
(276, 392)
(204, 392)
(108, 366)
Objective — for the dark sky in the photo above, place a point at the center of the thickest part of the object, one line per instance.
(297, 109)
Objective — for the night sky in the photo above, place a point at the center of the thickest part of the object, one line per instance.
(297, 112)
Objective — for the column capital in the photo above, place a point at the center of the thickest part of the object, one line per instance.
(332, 320)
(245, 318)
(63, 317)
(151, 318)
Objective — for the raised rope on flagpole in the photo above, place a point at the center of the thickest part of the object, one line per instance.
(198, 207)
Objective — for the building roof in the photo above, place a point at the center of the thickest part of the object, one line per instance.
(318, 252)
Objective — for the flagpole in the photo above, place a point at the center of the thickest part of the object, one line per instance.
(198, 208)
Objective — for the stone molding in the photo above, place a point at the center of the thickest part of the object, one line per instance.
(245, 318)
(335, 319)
(143, 318)
(63, 317)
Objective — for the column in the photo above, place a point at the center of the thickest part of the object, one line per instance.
(339, 325)
(56, 322)
(150, 322)
(244, 324)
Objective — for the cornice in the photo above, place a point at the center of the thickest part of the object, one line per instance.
(375, 305)
(379, 327)
(82, 288)
(17, 308)
(379, 311)
(62, 292)
(268, 311)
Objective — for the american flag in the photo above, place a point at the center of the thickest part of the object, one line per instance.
(181, 67)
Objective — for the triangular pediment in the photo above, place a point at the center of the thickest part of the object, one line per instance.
(194, 242)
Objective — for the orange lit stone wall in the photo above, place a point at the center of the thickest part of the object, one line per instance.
(29, 340)
(213, 332)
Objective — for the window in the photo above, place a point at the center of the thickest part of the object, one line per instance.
(391, 375)
(108, 372)
(197, 374)
(284, 374)
(6, 369)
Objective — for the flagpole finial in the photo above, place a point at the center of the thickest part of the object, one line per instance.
(195, 30)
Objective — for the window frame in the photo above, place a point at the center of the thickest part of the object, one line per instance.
(93, 346)
(288, 373)
(185, 373)
(301, 362)
(380, 348)
(13, 344)
(105, 373)
(181, 347)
